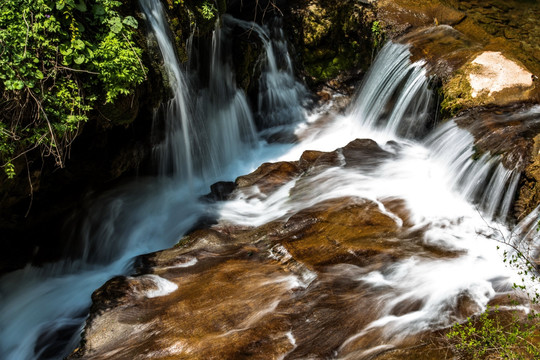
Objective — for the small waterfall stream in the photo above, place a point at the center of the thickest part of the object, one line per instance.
(395, 95)
(175, 152)
(207, 131)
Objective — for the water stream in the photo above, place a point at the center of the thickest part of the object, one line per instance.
(209, 136)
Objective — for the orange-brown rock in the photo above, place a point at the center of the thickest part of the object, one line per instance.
(288, 289)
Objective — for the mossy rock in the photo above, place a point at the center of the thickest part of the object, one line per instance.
(334, 37)
(489, 79)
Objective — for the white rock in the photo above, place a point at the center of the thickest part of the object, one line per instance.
(497, 73)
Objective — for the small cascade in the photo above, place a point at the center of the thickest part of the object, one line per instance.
(395, 94)
(484, 181)
(281, 97)
(525, 239)
(207, 130)
(224, 119)
(175, 152)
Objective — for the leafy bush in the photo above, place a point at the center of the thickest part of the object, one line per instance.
(490, 335)
(485, 335)
(58, 59)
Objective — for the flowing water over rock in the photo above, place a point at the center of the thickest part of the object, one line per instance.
(281, 97)
(395, 95)
(175, 153)
(354, 253)
(332, 251)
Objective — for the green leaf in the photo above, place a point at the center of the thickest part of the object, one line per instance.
(39, 75)
(65, 49)
(18, 85)
(116, 24)
(78, 44)
(81, 6)
(79, 59)
(130, 21)
(89, 53)
(60, 5)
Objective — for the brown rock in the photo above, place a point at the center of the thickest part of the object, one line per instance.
(269, 176)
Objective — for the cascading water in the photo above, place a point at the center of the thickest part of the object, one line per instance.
(281, 97)
(207, 130)
(224, 119)
(484, 181)
(175, 152)
(40, 309)
(395, 95)
(450, 195)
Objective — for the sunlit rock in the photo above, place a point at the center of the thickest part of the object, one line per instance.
(496, 73)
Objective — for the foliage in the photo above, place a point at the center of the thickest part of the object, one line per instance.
(489, 334)
(59, 58)
(208, 10)
(486, 335)
(377, 33)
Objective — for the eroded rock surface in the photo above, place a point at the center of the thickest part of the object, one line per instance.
(299, 286)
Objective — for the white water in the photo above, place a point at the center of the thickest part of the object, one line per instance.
(281, 97)
(395, 96)
(146, 217)
(485, 182)
(175, 152)
(225, 126)
(455, 198)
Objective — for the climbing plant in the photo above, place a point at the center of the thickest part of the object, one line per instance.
(58, 59)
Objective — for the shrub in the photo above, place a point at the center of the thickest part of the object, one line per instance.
(58, 58)
(486, 335)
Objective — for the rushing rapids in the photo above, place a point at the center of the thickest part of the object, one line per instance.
(408, 224)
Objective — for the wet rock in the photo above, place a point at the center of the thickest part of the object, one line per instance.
(292, 288)
(507, 131)
(269, 176)
(220, 191)
(442, 47)
(364, 153)
(241, 298)
(465, 47)
(402, 15)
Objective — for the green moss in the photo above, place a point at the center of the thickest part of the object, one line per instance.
(335, 38)
(456, 92)
(316, 25)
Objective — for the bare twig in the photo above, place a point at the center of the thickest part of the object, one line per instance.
(31, 187)
(134, 52)
(77, 70)
(27, 31)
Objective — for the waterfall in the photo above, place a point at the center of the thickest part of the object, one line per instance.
(281, 97)
(395, 94)
(175, 152)
(225, 122)
(525, 239)
(207, 132)
(484, 181)
(210, 126)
